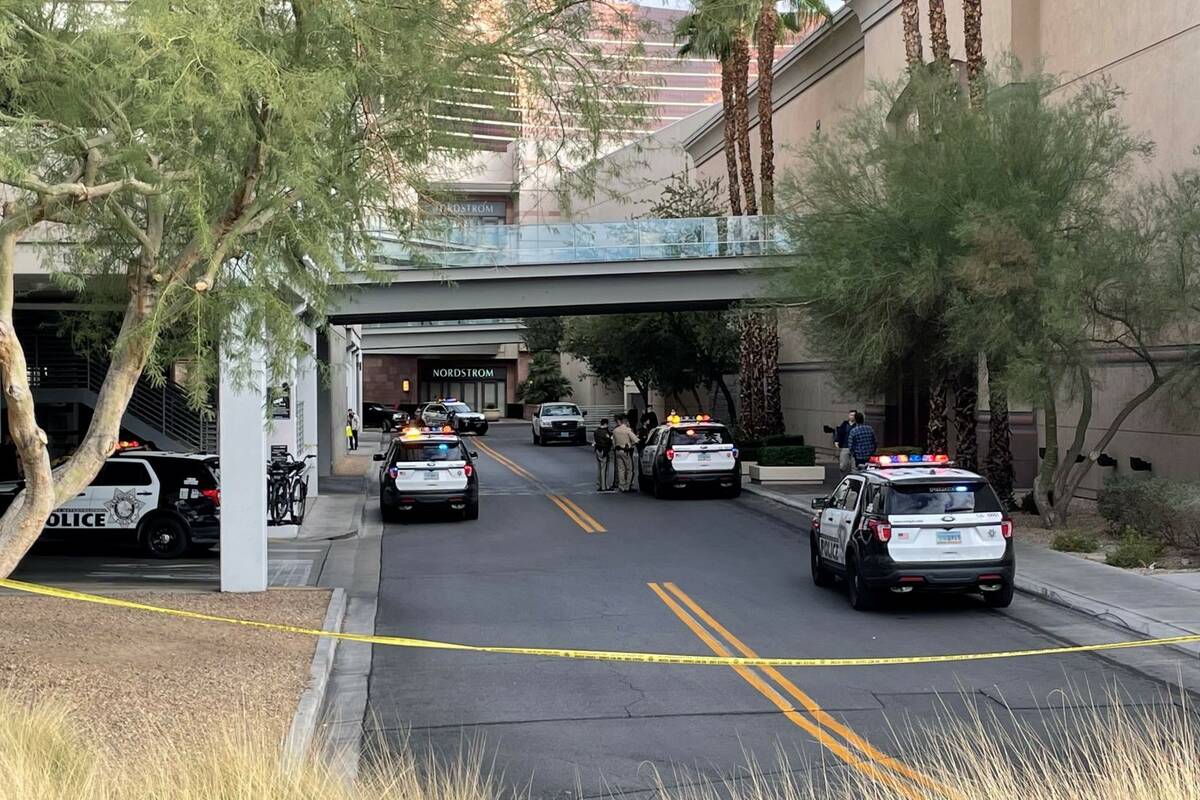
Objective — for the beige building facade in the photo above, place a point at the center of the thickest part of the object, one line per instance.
(1151, 49)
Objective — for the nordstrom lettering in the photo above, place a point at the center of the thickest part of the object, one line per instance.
(465, 373)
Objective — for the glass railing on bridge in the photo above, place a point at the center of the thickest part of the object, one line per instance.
(441, 243)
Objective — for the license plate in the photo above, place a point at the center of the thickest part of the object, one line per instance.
(565, 434)
(431, 475)
(705, 457)
(949, 537)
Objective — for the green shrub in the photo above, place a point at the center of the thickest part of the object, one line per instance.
(789, 456)
(1074, 542)
(1135, 550)
(784, 440)
(749, 449)
(1166, 510)
(900, 450)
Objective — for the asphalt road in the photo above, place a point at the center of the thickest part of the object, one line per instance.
(683, 576)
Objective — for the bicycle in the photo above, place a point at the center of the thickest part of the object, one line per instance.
(287, 489)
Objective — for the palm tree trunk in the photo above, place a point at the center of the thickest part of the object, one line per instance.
(999, 466)
(936, 432)
(768, 25)
(910, 13)
(938, 35)
(773, 400)
(966, 400)
(741, 91)
(973, 39)
(728, 80)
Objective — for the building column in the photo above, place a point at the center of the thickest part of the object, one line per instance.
(243, 472)
(325, 410)
(307, 380)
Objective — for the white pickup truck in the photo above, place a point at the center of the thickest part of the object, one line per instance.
(559, 422)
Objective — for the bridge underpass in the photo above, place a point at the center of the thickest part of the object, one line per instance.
(543, 270)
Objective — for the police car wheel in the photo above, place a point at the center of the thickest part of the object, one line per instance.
(472, 510)
(389, 513)
(643, 483)
(659, 489)
(821, 576)
(862, 597)
(163, 537)
(999, 599)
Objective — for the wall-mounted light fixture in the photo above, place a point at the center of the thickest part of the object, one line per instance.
(404, 385)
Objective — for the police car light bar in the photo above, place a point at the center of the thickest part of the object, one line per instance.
(902, 460)
(675, 419)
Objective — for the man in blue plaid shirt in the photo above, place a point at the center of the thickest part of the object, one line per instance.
(861, 440)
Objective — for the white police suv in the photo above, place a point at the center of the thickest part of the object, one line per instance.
(456, 414)
(428, 468)
(913, 523)
(690, 452)
(169, 503)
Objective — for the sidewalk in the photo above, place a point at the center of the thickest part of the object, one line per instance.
(1149, 605)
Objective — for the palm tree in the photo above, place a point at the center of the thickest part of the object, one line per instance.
(973, 39)
(741, 112)
(910, 13)
(700, 35)
(768, 29)
(938, 35)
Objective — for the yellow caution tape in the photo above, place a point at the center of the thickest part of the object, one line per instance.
(596, 655)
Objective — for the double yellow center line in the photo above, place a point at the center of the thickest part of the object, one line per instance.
(836, 737)
(584, 520)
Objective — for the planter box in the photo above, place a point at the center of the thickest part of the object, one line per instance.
(491, 414)
(760, 474)
(746, 465)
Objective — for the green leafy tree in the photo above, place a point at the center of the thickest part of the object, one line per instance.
(543, 333)
(217, 164)
(546, 382)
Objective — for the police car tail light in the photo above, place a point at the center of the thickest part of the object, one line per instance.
(447, 429)
(670, 454)
(468, 470)
(882, 530)
(735, 452)
(1006, 528)
(212, 494)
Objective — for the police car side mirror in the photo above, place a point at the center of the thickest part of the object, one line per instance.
(819, 503)
(377, 457)
(474, 454)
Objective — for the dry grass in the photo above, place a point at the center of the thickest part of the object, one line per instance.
(1101, 753)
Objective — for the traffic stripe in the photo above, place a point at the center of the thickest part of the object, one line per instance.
(586, 516)
(513, 466)
(558, 501)
(855, 761)
(818, 713)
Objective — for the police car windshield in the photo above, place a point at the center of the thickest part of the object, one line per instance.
(428, 451)
(461, 408)
(687, 436)
(559, 411)
(951, 498)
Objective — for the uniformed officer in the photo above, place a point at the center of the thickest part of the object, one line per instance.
(625, 445)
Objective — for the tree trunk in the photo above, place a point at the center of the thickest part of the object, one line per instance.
(999, 466)
(724, 387)
(741, 92)
(936, 433)
(910, 14)
(938, 35)
(728, 80)
(973, 39)
(768, 27)
(1043, 486)
(750, 377)
(773, 400)
(966, 399)
(22, 523)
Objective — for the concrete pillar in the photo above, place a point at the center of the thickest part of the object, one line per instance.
(307, 380)
(243, 473)
(325, 409)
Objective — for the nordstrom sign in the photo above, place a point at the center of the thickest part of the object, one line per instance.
(450, 373)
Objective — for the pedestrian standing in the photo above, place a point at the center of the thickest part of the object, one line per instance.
(861, 441)
(351, 429)
(625, 443)
(841, 442)
(602, 443)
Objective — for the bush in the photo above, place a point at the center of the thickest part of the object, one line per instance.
(1135, 550)
(900, 450)
(784, 440)
(1074, 542)
(1166, 510)
(789, 456)
(749, 449)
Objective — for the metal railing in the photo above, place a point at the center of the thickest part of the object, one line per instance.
(52, 364)
(443, 244)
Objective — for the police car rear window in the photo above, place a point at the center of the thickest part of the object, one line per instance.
(950, 498)
(428, 451)
(690, 436)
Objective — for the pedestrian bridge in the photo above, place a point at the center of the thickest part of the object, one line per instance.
(454, 272)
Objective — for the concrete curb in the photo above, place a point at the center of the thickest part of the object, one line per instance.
(1113, 615)
(308, 710)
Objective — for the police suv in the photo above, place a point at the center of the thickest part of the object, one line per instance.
(428, 468)
(910, 523)
(457, 415)
(169, 503)
(690, 452)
